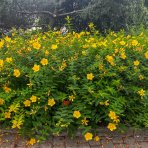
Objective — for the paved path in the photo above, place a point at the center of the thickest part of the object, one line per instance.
(131, 139)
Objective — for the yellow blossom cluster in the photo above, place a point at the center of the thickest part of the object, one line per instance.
(112, 126)
(28, 102)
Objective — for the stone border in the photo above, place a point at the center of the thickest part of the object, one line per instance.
(130, 139)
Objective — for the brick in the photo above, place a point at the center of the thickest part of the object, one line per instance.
(138, 133)
(92, 143)
(8, 137)
(6, 144)
(145, 132)
(128, 133)
(70, 142)
(145, 139)
(139, 138)
(105, 133)
(117, 140)
(120, 146)
(21, 142)
(108, 145)
(72, 146)
(58, 141)
(59, 146)
(84, 145)
(97, 146)
(81, 140)
(45, 145)
(130, 142)
(144, 145)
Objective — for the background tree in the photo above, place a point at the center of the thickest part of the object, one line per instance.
(106, 14)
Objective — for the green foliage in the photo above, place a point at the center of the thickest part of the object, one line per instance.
(52, 83)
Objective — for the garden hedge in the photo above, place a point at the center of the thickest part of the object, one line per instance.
(51, 83)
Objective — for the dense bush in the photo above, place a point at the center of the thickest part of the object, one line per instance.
(52, 83)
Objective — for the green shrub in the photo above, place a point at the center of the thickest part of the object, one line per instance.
(52, 83)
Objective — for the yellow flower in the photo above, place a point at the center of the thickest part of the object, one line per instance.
(136, 63)
(9, 60)
(51, 102)
(146, 55)
(36, 45)
(1, 63)
(110, 59)
(33, 98)
(123, 56)
(116, 50)
(71, 98)
(16, 73)
(44, 62)
(122, 43)
(30, 84)
(27, 103)
(7, 115)
(141, 77)
(1, 101)
(112, 115)
(32, 141)
(112, 126)
(77, 114)
(116, 120)
(94, 45)
(36, 68)
(88, 136)
(84, 121)
(6, 89)
(53, 47)
(1, 43)
(97, 138)
(134, 43)
(90, 76)
(46, 53)
(141, 92)
(106, 103)
(7, 39)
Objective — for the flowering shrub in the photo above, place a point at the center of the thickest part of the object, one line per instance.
(51, 83)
